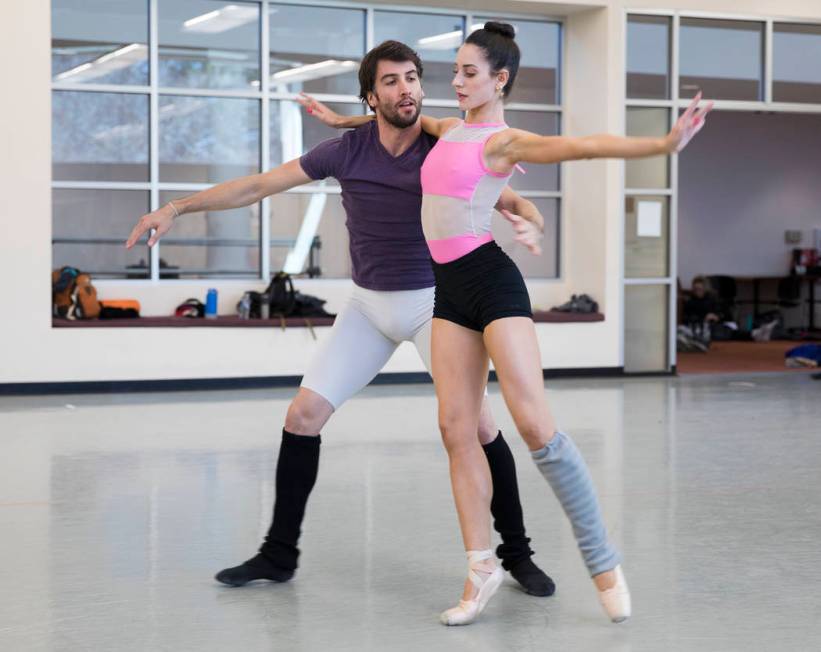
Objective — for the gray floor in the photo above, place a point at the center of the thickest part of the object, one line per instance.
(115, 511)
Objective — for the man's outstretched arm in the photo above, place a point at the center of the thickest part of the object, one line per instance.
(236, 193)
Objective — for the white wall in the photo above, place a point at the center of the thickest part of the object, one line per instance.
(25, 178)
(31, 351)
(796, 9)
(748, 179)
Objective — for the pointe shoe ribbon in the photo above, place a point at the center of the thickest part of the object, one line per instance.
(468, 610)
(616, 599)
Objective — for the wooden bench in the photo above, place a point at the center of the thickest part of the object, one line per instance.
(233, 321)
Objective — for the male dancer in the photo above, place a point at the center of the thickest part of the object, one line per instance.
(378, 167)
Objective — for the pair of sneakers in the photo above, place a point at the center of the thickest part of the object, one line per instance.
(486, 578)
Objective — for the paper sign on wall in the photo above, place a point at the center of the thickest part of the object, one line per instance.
(649, 219)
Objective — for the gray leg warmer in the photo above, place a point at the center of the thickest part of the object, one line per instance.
(564, 468)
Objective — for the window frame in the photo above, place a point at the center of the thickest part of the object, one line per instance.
(675, 105)
(265, 95)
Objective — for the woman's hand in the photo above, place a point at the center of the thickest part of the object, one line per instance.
(688, 125)
(527, 233)
(329, 117)
(319, 111)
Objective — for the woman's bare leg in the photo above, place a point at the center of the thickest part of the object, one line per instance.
(460, 367)
(512, 345)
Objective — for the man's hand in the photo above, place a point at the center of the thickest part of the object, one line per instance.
(160, 220)
(527, 233)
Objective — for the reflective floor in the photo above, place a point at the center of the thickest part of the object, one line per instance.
(116, 510)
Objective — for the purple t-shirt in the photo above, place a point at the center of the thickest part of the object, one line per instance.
(382, 197)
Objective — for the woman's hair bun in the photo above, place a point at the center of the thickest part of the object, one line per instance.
(504, 29)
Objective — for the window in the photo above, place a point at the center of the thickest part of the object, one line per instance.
(88, 227)
(315, 49)
(82, 53)
(535, 177)
(648, 57)
(222, 243)
(293, 133)
(311, 216)
(204, 106)
(207, 139)
(647, 172)
(99, 136)
(645, 328)
(726, 60)
(434, 37)
(796, 56)
(538, 80)
(648, 188)
(646, 237)
(546, 265)
(722, 58)
(208, 44)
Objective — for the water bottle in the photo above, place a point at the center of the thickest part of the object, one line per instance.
(211, 304)
(244, 306)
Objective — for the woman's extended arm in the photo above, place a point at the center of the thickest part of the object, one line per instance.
(433, 126)
(437, 127)
(329, 117)
(513, 146)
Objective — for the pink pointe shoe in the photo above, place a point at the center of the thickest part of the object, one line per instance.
(616, 599)
(487, 583)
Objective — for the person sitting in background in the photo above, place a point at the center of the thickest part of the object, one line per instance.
(702, 306)
(701, 310)
(703, 322)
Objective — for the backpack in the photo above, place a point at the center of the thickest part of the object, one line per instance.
(72, 294)
(190, 308)
(62, 287)
(283, 301)
(84, 298)
(281, 294)
(306, 305)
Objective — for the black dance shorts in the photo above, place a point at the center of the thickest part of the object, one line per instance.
(480, 287)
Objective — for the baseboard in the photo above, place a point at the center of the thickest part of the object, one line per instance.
(254, 382)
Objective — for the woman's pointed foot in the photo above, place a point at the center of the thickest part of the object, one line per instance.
(615, 598)
(486, 578)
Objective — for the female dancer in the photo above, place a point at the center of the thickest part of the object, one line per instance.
(482, 309)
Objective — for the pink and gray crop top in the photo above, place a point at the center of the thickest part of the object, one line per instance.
(459, 192)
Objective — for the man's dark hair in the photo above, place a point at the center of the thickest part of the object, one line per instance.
(390, 51)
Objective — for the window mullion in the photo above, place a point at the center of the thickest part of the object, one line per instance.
(265, 139)
(154, 124)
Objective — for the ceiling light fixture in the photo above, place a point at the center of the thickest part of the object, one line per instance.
(326, 68)
(446, 40)
(221, 20)
(123, 57)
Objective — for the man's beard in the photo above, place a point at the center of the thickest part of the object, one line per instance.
(393, 117)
